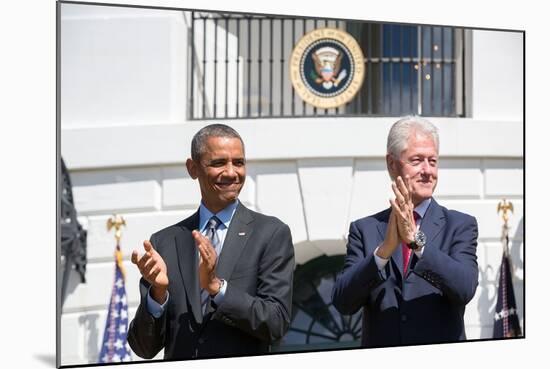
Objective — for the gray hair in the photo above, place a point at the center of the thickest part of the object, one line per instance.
(198, 144)
(403, 128)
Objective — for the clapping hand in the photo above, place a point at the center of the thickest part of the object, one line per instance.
(403, 208)
(207, 263)
(153, 269)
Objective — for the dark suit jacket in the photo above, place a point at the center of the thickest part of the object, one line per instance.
(257, 261)
(427, 304)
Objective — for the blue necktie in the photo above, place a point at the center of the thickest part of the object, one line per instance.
(212, 235)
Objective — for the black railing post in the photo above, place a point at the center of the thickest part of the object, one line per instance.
(260, 68)
(381, 96)
(390, 66)
(215, 113)
(292, 45)
(271, 66)
(463, 80)
(432, 103)
(420, 77)
(370, 69)
(401, 76)
(326, 25)
(303, 33)
(226, 64)
(238, 20)
(315, 27)
(192, 61)
(337, 25)
(453, 88)
(203, 67)
(282, 65)
(248, 65)
(412, 68)
(442, 70)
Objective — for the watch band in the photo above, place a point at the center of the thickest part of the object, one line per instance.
(220, 286)
(418, 242)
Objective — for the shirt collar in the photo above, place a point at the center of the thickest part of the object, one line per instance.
(225, 215)
(423, 207)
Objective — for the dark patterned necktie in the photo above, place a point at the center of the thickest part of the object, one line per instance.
(212, 235)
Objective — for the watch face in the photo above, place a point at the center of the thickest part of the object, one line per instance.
(420, 238)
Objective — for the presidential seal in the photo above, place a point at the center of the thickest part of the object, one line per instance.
(327, 68)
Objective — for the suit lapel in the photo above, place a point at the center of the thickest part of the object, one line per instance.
(237, 236)
(188, 264)
(433, 222)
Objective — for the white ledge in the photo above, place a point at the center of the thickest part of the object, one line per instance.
(280, 138)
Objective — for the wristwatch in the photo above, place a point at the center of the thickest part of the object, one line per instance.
(418, 242)
(220, 286)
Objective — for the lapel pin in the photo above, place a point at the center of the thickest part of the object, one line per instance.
(242, 233)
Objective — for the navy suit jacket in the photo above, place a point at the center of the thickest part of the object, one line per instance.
(427, 304)
(257, 261)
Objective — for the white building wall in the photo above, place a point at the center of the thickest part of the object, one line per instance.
(125, 138)
(492, 94)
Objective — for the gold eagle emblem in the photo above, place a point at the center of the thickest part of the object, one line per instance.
(328, 61)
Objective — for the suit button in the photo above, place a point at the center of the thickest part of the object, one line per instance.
(403, 317)
(201, 340)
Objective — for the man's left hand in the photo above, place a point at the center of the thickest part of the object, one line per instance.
(403, 207)
(207, 264)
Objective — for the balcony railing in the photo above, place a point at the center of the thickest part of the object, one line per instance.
(240, 68)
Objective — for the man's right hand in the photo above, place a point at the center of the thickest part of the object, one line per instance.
(391, 240)
(153, 269)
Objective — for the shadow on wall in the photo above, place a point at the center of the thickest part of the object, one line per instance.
(488, 282)
(487, 300)
(89, 323)
(72, 283)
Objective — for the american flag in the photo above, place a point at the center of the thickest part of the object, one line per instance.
(115, 346)
(506, 322)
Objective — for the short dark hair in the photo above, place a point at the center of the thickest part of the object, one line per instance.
(213, 130)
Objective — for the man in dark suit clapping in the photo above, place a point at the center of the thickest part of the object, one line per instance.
(412, 268)
(218, 283)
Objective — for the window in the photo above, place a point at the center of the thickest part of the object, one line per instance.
(316, 324)
(410, 70)
(239, 68)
